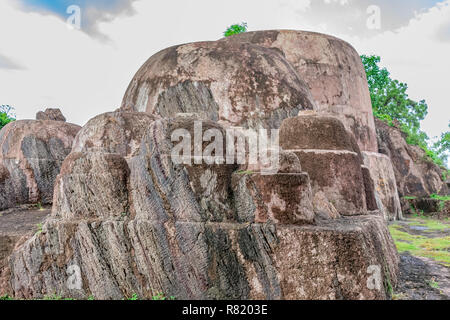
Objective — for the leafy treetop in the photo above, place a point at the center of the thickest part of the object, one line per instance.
(235, 29)
(6, 115)
(390, 102)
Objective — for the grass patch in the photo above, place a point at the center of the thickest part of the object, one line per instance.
(441, 198)
(430, 224)
(56, 297)
(433, 248)
(432, 283)
(409, 197)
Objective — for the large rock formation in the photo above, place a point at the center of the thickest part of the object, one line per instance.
(416, 175)
(238, 84)
(196, 232)
(333, 72)
(128, 219)
(31, 154)
(331, 157)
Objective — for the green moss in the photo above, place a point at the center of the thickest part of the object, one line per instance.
(410, 197)
(56, 297)
(433, 284)
(244, 172)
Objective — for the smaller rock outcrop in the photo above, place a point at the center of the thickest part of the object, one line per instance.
(415, 174)
(114, 132)
(386, 193)
(51, 114)
(31, 154)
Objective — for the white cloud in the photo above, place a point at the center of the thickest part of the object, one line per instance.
(417, 55)
(85, 76)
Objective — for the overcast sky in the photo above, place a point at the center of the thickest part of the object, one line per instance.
(43, 63)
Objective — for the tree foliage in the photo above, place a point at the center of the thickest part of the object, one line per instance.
(391, 102)
(235, 29)
(390, 98)
(6, 115)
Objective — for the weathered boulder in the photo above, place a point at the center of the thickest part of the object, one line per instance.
(51, 114)
(333, 71)
(382, 173)
(31, 154)
(197, 231)
(416, 175)
(113, 132)
(331, 157)
(237, 84)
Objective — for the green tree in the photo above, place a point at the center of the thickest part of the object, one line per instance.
(442, 146)
(391, 102)
(235, 29)
(390, 98)
(6, 115)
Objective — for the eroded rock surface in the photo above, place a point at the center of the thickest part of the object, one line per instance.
(16, 225)
(31, 154)
(414, 173)
(331, 157)
(127, 219)
(333, 71)
(114, 132)
(196, 232)
(382, 173)
(238, 84)
(51, 114)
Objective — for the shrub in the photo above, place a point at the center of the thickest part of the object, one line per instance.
(235, 29)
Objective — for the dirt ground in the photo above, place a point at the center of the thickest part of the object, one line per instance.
(19, 221)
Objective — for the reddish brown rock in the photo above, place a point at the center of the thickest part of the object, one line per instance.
(238, 84)
(382, 173)
(16, 225)
(186, 234)
(114, 132)
(416, 175)
(31, 154)
(91, 185)
(51, 114)
(328, 154)
(333, 71)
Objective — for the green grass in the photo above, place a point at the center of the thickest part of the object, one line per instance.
(56, 297)
(433, 248)
(433, 284)
(6, 297)
(39, 228)
(430, 224)
(409, 197)
(441, 198)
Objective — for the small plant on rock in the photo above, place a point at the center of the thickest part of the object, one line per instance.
(235, 29)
